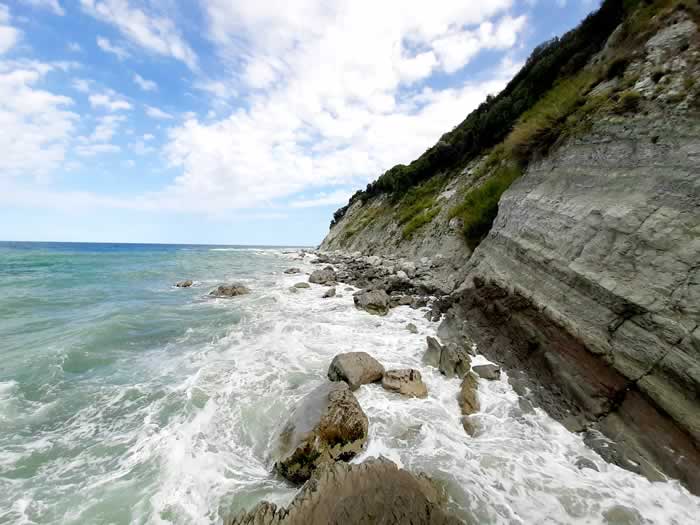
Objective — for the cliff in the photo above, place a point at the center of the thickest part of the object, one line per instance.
(570, 248)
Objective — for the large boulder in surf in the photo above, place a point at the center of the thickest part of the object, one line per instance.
(434, 351)
(324, 276)
(355, 368)
(373, 492)
(454, 361)
(328, 426)
(468, 398)
(373, 301)
(407, 382)
(490, 371)
(229, 290)
(184, 284)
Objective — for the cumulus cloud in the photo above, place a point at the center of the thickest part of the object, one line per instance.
(336, 93)
(155, 33)
(323, 199)
(105, 45)
(146, 85)
(36, 123)
(8, 34)
(109, 100)
(52, 5)
(157, 113)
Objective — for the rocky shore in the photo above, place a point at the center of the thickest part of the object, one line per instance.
(547, 366)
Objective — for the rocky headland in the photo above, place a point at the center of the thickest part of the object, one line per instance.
(567, 248)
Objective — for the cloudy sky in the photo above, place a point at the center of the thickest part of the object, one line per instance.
(235, 121)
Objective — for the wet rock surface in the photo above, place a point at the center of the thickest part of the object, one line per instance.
(489, 372)
(373, 492)
(374, 301)
(356, 369)
(407, 382)
(468, 395)
(324, 276)
(229, 290)
(328, 426)
(184, 284)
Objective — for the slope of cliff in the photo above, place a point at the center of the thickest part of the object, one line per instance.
(571, 245)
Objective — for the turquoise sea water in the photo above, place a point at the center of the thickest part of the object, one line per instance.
(125, 400)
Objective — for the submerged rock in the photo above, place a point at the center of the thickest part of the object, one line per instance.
(184, 284)
(407, 382)
(329, 293)
(355, 368)
(302, 285)
(468, 398)
(373, 492)
(292, 270)
(373, 301)
(412, 328)
(583, 463)
(328, 426)
(490, 372)
(229, 290)
(324, 276)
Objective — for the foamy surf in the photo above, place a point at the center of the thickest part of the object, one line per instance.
(184, 432)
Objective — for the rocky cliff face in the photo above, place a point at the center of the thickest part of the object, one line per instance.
(588, 280)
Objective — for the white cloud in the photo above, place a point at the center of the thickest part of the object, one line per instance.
(109, 100)
(91, 150)
(157, 34)
(338, 94)
(8, 34)
(52, 5)
(140, 148)
(36, 126)
(157, 113)
(146, 85)
(105, 45)
(148, 136)
(82, 85)
(74, 47)
(339, 197)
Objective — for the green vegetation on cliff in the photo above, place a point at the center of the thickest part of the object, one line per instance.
(550, 99)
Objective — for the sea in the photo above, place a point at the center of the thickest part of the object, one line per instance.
(127, 400)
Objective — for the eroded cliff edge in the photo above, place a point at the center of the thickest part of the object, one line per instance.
(588, 279)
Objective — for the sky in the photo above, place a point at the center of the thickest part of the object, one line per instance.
(232, 121)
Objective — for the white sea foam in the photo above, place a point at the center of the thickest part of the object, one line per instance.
(518, 469)
(190, 436)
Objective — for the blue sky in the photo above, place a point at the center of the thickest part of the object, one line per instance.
(235, 122)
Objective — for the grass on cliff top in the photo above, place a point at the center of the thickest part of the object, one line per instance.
(364, 219)
(479, 208)
(419, 206)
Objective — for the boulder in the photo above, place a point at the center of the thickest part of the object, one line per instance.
(470, 426)
(292, 270)
(583, 463)
(407, 382)
(355, 368)
(325, 276)
(432, 354)
(302, 285)
(328, 426)
(184, 284)
(229, 290)
(402, 275)
(468, 398)
(412, 328)
(375, 301)
(490, 372)
(454, 361)
(373, 492)
(329, 293)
